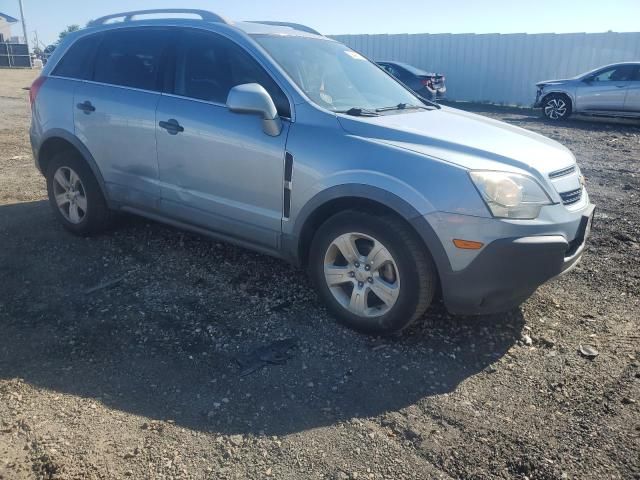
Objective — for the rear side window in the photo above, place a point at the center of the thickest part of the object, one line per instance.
(208, 66)
(131, 58)
(396, 71)
(77, 62)
(390, 69)
(399, 73)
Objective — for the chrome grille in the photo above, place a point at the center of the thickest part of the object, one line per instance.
(571, 197)
(562, 173)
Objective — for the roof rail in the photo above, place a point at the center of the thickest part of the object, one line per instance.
(295, 26)
(128, 16)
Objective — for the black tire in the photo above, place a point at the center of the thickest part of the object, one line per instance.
(414, 263)
(97, 217)
(556, 107)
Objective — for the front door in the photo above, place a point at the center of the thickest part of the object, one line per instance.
(606, 90)
(218, 169)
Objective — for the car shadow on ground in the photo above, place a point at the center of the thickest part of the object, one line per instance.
(163, 343)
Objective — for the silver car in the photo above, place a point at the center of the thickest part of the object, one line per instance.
(278, 139)
(613, 90)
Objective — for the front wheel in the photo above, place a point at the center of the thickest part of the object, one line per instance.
(372, 272)
(556, 107)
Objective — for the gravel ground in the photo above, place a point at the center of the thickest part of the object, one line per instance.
(140, 378)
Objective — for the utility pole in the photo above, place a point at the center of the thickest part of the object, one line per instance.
(24, 32)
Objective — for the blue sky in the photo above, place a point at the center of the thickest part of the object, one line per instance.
(48, 17)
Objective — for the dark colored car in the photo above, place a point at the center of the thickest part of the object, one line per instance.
(427, 85)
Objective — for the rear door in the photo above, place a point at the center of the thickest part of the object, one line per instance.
(218, 169)
(56, 100)
(115, 112)
(606, 90)
(632, 100)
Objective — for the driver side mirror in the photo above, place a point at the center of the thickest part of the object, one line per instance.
(254, 99)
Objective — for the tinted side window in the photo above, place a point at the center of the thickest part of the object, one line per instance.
(131, 58)
(396, 72)
(78, 61)
(208, 66)
(402, 74)
(391, 70)
(623, 73)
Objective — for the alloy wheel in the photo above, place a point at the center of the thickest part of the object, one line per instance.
(70, 195)
(555, 108)
(362, 275)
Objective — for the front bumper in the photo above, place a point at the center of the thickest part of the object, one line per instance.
(538, 101)
(507, 271)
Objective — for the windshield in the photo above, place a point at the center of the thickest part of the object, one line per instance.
(334, 76)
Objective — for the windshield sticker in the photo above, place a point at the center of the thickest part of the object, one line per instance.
(326, 98)
(353, 54)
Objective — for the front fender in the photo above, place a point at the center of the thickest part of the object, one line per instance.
(569, 92)
(402, 206)
(377, 185)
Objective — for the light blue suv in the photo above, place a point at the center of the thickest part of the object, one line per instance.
(278, 139)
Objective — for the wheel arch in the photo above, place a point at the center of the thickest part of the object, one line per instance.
(360, 197)
(58, 140)
(563, 93)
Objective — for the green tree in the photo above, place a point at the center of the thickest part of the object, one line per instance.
(67, 31)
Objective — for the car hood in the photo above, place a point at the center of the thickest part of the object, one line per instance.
(465, 139)
(554, 82)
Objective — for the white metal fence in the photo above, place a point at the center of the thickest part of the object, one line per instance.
(499, 68)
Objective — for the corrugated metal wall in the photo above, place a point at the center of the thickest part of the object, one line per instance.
(499, 68)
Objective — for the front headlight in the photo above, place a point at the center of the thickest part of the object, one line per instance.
(510, 195)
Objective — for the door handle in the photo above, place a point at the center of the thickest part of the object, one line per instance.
(86, 107)
(620, 86)
(172, 126)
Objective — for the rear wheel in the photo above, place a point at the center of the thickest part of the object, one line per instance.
(75, 195)
(372, 272)
(556, 107)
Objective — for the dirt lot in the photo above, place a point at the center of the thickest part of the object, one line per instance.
(141, 380)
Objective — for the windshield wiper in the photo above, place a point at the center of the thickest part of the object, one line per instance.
(359, 112)
(402, 106)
